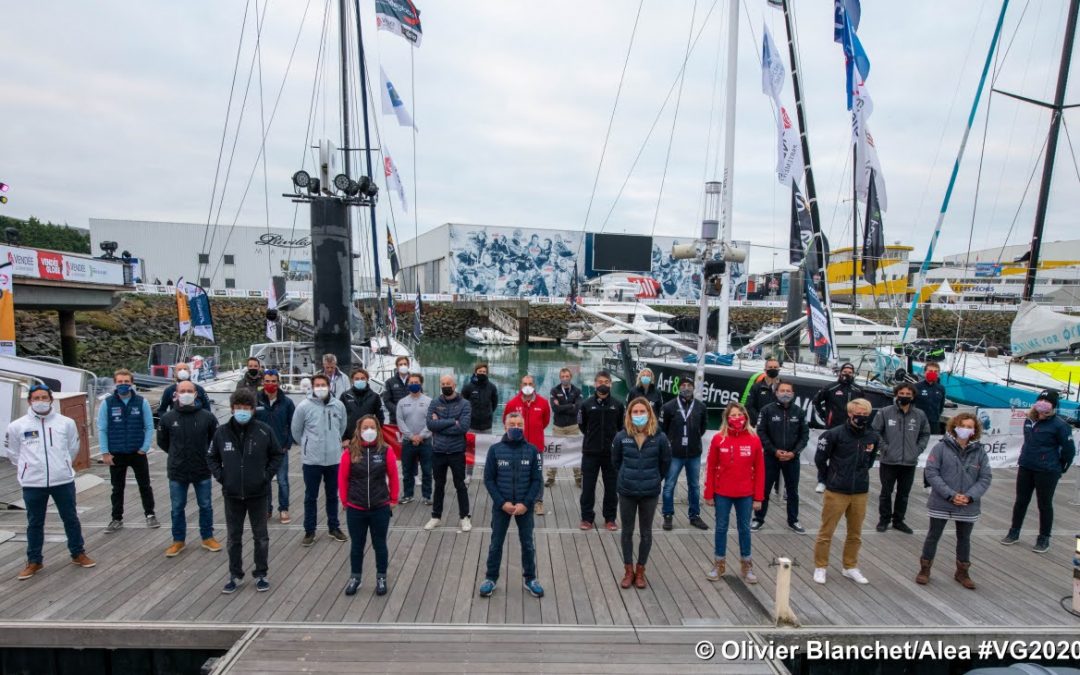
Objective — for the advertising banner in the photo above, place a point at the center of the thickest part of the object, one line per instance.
(7, 312)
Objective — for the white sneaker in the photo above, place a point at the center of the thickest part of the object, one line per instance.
(855, 575)
(432, 524)
(820, 488)
(819, 575)
(466, 524)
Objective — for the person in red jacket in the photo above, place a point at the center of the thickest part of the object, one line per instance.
(368, 486)
(735, 477)
(537, 413)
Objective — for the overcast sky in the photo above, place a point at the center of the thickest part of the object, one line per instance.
(115, 110)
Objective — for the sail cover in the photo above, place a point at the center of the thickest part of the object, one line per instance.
(1038, 329)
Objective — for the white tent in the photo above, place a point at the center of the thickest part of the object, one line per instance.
(945, 292)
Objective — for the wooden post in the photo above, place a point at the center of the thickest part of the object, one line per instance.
(782, 615)
(523, 323)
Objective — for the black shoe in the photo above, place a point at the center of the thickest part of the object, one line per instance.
(338, 535)
(757, 525)
(353, 586)
(902, 526)
(797, 528)
(667, 523)
(697, 522)
(231, 587)
(262, 585)
(380, 585)
(1042, 545)
(882, 526)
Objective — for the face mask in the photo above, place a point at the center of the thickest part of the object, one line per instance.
(932, 376)
(785, 398)
(403, 370)
(359, 385)
(270, 387)
(41, 407)
(860, 421)
(639, 420)
(963, 433)
(772, 372)
(448, 391)
(1043, 407)
(253, 372)
(904, 400)
(414, 388)
(603, 389)
(736, 423)
(242, 416)
(686, 394)
(321, 392)
(847, 378)
(481, 378)
(123, 389)
(368, 435)
(528, 390)
(646, 380)
(187, 398)
(182, 375)
(515, 434)
(565, 383)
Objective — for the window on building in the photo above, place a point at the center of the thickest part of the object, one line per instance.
(230, 283)
(229, 259)
(204, 282)
(204, 258)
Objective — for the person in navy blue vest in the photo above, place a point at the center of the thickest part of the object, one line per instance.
(125, 431)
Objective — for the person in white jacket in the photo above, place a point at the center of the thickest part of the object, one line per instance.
(41, 445)
(318, 425)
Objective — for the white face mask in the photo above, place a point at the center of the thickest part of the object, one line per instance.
(41, 407)
(403, 370)
(187, 398)
(527, 390)
(963, 433)
(183, 375)
(321, 392)
(368, 435)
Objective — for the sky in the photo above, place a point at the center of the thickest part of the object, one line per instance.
(116, 110)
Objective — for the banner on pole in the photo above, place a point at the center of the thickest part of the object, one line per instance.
(7, 311)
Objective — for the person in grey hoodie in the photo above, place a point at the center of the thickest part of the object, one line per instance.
(318, 425)
(411, 415)
(904, 432)
(958, 470)
(448, 420)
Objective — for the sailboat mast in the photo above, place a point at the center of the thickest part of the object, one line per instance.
(367, 152)
(1051, 150)
(726, 199)
(854, 228)
(343, 29)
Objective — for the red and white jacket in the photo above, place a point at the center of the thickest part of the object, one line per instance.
(736, 467)
(537, 414)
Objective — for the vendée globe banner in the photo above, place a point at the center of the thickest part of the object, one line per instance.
(55, 266)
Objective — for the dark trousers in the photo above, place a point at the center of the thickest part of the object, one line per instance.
(963, 539)
(313, 477)
(643, 509)
(500, 523)
(1043, 484)
(359, 523)
(455, 463)
(254, 508)
(901, 477)
(282, 486)
(774, 468)
(37, 499)
(410, 456)
(592, 466)
(118, 477)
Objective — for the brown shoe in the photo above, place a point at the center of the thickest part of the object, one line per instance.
(717, 570)
(577, 476)
(586, 525)
(923, 577)
(962, 575)
(211, 545)
(30, 570)
(538, 508)
(628, 577)
(748, 571)
(639, 577)
(550, 480)
(174, 549)
(610, 526)
(83, 560)
(284, 517)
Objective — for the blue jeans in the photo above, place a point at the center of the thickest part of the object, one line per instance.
(410, 455)
(744, 506)
(693, 492)
(37, 498)
(282, 486)
(178, 496)
(359, 522)
(500, 523)
(313, 476)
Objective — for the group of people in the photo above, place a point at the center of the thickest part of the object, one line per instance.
(350, 451)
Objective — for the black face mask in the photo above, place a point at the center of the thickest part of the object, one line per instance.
(481, 378)
(603, 389)
(860, 421)
(448, 391)
(686, 394)
(253, 372)
(847, 378)
(904, 400)
(773, 372)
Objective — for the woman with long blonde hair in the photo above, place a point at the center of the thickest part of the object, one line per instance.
(641, 456)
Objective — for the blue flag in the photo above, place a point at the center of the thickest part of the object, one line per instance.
(817, 320)
(852, 9)
(856, 62)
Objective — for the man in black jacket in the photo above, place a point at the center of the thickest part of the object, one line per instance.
(564, 399)
(396, 387)
(242, 457)
(764, 391)
(600, 417)
(682, 420)
(844, 456)
(252, 377)
(483, 397)
(359, 401)
(784, 432)
(931, 395)
(830, 404)
(184, 433)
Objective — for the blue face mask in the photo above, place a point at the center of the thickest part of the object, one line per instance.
(646, 380)
(414, 388)
(123, 389)
(242, 416)
(515, 434)
(359, 385)
(640, 420)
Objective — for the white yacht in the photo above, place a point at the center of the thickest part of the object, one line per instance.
(595, 333)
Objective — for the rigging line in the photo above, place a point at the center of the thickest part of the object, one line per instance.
(1072, 152)
(674, 122)
(416, 172)
(266, 181)
(1020, 206)
(656, 120)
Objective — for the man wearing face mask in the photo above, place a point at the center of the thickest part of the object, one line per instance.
(396, 387)
(448, 420)
(339, 383)
(182, 373)
(565, 399)
(600, 418)
(252, 377)
(319, 426)
(125, 432)
(359, 401)
(844, 456)
(930, 396)
(646, 388)
(412, 415)
(682, 420)
(784, 433)
(184, 434)
(830, 404)
(536, 412)
(242, 457)
(276, 410)
(764, 391)
(904, 432)
(41, 445)
(1046, 455)
(483, 398)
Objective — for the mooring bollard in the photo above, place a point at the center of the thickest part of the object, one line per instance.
(782, 615)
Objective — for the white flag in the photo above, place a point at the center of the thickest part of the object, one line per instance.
(392, 103)
(866, 156)
(789, 160)
(772, 68)
(393, 179)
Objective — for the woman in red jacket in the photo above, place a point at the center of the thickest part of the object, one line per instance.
(735, 477)
(368, 486)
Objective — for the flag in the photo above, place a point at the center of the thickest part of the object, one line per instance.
(788, 145)
(417, 324)
(573, 292)
(874, 239)
(817, 319)
(196, 312)
(772, 68)
(391, 313)
(393, 178)
(856, 62)
(392, 103)
(271, 308)
(391, 253)
(802, 232)
(183, 314)
(867, 163)
(7, 310)
(400, 17)
(853, 10)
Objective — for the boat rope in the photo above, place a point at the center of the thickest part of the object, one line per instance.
(1023, 197)
(262, 149)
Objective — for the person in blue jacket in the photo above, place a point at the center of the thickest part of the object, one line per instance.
(182, 373)
(125, 432)
(513, 475)
(275, 409)
(1046, 455)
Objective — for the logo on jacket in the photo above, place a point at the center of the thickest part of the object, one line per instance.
(30, 434)
(228, 446)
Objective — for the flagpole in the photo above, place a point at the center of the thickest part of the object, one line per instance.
(855, 227)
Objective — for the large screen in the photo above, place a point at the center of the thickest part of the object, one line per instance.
(621, 253)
